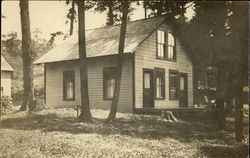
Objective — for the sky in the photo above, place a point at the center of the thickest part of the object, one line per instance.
(50, 16)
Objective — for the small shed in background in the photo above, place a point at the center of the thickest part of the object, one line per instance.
(6, 71)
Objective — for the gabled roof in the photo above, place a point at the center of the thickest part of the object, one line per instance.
(5, 66)
(104, 41)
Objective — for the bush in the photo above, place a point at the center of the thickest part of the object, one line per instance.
(40, 105)
(17, 97)
(6, 102)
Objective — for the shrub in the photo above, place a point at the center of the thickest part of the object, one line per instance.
(6, 102)
(40, 105)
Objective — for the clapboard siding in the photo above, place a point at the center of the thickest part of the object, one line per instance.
(6, 82)
(54, 83)
(145, 57)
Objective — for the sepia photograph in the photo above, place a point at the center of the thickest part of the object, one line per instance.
(124, 79)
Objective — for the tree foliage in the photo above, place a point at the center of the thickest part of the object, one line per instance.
(71, 15)
(11, 50)
(113, 10)
(218, 37)
(174, 10)
(221, 38)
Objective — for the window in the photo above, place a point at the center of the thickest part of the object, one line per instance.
(109, 75)
(166, 45)
(146, 80)
(160, 83)
(182, 83)
(69, 85)
(171, 47)
(173, 84)
(161, 44)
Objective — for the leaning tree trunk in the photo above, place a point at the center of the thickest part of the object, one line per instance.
(116, 94)
(28, 94)
(85, 109)
(72, 18)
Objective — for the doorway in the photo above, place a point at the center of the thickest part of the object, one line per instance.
(148, 88)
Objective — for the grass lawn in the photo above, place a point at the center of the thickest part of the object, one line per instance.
(57, 133)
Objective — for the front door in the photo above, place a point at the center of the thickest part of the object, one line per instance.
(148, 90)
(183, 91)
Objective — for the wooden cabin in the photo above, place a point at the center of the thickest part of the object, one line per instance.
(6, 71)
(157, 70)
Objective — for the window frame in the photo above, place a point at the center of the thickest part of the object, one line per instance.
(156, 71)
(177, 84)
(105, 78)
(174, 47)
(71, 72)
(166, 45)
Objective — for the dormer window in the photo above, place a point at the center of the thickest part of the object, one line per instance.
(165, 45)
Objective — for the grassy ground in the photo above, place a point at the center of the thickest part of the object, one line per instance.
(56, 133)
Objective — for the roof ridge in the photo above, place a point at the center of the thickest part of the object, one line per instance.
(128, 23)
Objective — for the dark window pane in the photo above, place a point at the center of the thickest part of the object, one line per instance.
(173, 94)
(173, 85)
(173, 80)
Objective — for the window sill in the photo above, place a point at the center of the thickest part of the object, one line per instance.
(68, 99)
(174, 99)
(166, 59)
(107, 98)
(159, 98)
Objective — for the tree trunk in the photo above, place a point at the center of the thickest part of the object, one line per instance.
(182, 14)
(1, 110)
(85, 109)
(116, 94)
(28, 94)
(240, 28)
(239, 117)
(242, 82)
(72, 18)
(220, 99)
(110, 14)
(145, 10)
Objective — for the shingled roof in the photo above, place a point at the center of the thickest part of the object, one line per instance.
(103, 41)
(5, 66)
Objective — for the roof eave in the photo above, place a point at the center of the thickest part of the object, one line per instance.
(44, 62)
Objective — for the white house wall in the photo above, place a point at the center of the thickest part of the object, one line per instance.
(54, 83)
(6, 82)
(145, 57)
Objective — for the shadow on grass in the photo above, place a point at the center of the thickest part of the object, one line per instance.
(222, 151)
(138, 126)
